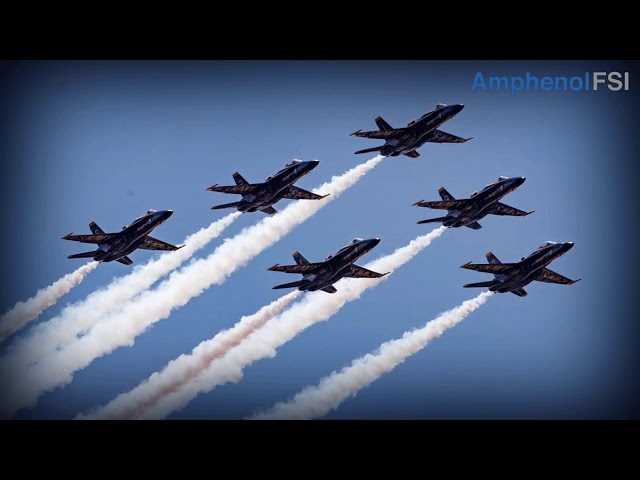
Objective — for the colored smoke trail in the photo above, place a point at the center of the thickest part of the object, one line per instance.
(78, 318)
(188, 366)
(313, 308)
(23, 312)
(317, 401)
(124, 326)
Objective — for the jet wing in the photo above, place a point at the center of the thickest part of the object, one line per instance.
(241, 189)
(329, 289)
(412, 154)
(489, 267)
(296, 193)
(304, 268)
(443, 137)
(360, 272)
(151, 243)
(502, 209)
(372, 149)
(383, 134)
(125, 260)
(443, 204)
(102, 238)
(549, 276)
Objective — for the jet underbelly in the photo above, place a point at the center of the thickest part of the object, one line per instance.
(473, 216)
(412, 144)
(264, 197)
(538, 264)
(533, 273)
(122, 249)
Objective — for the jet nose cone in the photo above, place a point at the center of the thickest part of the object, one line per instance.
(458, 108)
(563, 247)
(518, 181)
(374, 241)
(311, 164)
(166, 214)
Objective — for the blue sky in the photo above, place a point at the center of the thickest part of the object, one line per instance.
(107, 140)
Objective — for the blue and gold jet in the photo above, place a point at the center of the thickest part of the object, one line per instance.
(322, 275)
(466, 212)
(512, 277)
(116, 246)
(405, 140)
(261, 196)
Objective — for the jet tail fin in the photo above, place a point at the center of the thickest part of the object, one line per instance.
(269, 211)
(288, 285)
(225, 205)
(84, 254)
(239, 179)
(300, 260)
(491, 258)
(474, 226)
(382, 124)
(95, 229)
(372, 149)
(432, 220)
(124, 260)
(446, 196)
(479, 284)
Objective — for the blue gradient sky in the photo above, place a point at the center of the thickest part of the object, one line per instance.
(105, 141)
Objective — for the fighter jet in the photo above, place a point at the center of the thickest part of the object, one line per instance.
(405, 140)
(116, 246)
(511, 277)
(466, 212)
(322, 275)
(261, 196)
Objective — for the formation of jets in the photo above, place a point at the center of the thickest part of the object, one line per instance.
(508, 277)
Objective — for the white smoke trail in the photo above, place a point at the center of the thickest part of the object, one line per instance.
(186, 367)
(317, 401)
(76, 319)
(23, 312)
(314, 307)
(151, 306)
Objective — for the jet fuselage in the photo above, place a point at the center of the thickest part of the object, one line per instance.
(419, 132)
(131, 237)
(481, 204)
(337, 266)
(276, 187)
(526, 271)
